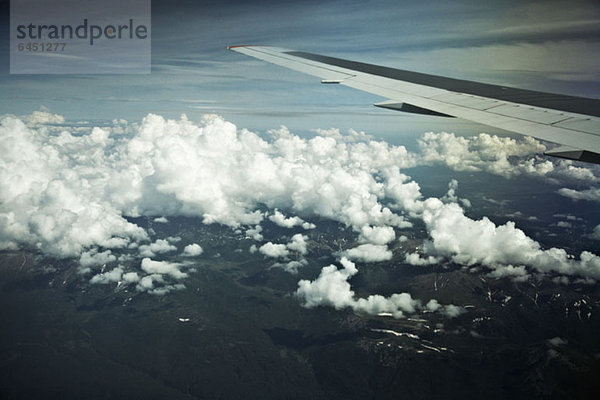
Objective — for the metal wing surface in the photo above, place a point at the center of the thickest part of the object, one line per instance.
(573, 122)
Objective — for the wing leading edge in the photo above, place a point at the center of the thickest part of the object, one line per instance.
(573, 122)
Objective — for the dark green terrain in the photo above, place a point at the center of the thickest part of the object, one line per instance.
(238, 332)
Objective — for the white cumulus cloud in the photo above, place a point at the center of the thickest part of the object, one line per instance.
(289, 222)
(274, 250)
(298, 243)
(51, 191)
(332, 289)
(162, 267)
(255, 233)
(192, 250)
(111, 276)
(368, 253)
(291, 266)
(468, 242)
(498, 155)
(591, 194)
(93, 258)
(378, 235)
(160, 246)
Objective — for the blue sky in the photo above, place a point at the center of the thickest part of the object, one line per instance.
(538, 45)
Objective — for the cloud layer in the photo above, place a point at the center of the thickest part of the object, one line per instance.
(70, 193)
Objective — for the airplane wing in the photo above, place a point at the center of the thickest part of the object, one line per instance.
(573, 122)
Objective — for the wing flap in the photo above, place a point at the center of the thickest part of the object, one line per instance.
(589, 125)
(409, 108)
(467, 100)
(543, 116)
(570, 153)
